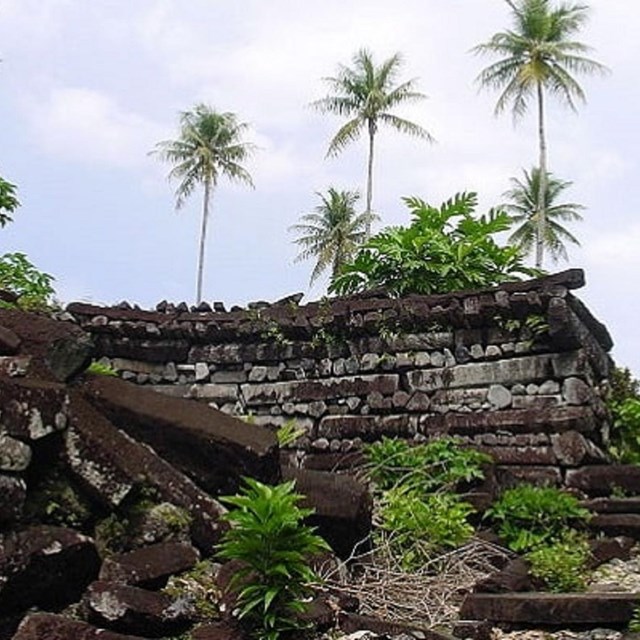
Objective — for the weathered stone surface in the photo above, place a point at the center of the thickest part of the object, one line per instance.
(600, 480)
(149, 567)
(547, 420)
(342, 506)
(509, 476)
(32, 409)
(365, 427)
(9, 342)
(514, 577)
(522, 456)
(13, 492)
(44, 566)
(108, 463)
(499, 396)
(353, 622)
(325, 389)
(573, 449)
(576, 391)
(217, 631)
(617, 524)
(613, 505)
(15, 455)
(545, 609)
(212, 448)
(606, 549)
(126, 608)
(49, 626)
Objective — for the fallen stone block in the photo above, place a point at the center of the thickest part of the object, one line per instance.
(218, 631)
(600, 480)
(45, 566)
(352, 623)
(13, 492)
(109, 464)
(365, 427)
(32, 409)
(149, 567)
(130, 609)
(342, 506)
(514, 577)
(48, 626)
(617, 524)
(60, 350)
(613, 505)
(215, 450)
(9, 342)
(547, 609)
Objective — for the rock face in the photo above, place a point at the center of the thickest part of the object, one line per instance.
(46, 626)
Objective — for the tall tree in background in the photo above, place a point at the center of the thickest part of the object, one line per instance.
(538, 56)
(332, 233)
(522, 205)
(366, 93)
(209, 146)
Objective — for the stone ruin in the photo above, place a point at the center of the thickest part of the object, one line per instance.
(516, 371)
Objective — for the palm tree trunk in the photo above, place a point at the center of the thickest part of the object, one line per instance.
(541, 213)
(203, 237)
(372, 133)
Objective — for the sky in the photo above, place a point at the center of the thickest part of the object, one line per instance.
(88, 87)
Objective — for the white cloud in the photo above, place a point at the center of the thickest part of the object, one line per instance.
(87, 125)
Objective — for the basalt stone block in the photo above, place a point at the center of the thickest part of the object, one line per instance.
(365, 427)
(333, 461)
(617, 524)
(606, 549)
(514, 577)
(108, 463)
(151, 566)
(130, 609)
(32, 409)
(353, 622)
(573, 449)
(218, 631)
(15, 455)
(541, 610)
(48, 626)
(613, 505)
(45, 566)
(212, 448)
(512, 475)
(342, 507)
(600, 480)
(60, 349)
(9, 342)
(13, 492)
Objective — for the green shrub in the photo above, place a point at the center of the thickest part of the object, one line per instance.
(268, 537)
(634, 623)
(417, 526)
(101, 369)
(443, 249)
(562, 564)
(8, 201)
(33, 287)
(288, 433)
(427, 467)
(528, 516)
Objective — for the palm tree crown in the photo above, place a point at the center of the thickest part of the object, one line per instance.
(366, 93)
(331, 234)
(209, 145)
(538, 54)
(522, 206)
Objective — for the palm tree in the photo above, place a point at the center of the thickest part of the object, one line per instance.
(209, 146)
(366, 94)
(537, 57)
(332, 233)
(522, 205)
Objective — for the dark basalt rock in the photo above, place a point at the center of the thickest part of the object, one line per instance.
(44, 566)
(352, 622)
(342, 506)
(9, 342)
(212, 448)
(543, 610)
(47, 626)
(512, 578)
(13, 492)
(149, 567)
(218, 631)
(130, 609)
(599, 480)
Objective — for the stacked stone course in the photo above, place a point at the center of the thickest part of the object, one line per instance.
(515, 370)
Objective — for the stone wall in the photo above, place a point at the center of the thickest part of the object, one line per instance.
(515, 370)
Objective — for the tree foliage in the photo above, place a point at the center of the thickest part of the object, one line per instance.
(522, 205)
(332, 232)
(33, 287)
(444, 249)
(367, 94)
(8, 201)
(209, 146)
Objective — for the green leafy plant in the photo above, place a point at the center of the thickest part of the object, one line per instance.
(416, 526)
(562, 565)
(268, 537)
(528, 516)
(288, 433)
(443, 249)
(8, 201)
(101, 369)
(32, 286)
(623, 401)
(427, 467)
(634, 623)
